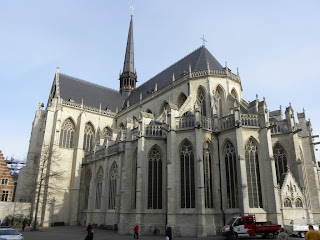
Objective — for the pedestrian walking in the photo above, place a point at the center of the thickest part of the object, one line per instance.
(169, 233)
(90, 235)
(24, 223)
(89, 228)
(136, 231)
(282, 235)
(231, 235)
(312, 234)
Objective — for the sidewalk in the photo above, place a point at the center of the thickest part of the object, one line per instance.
(79, 233)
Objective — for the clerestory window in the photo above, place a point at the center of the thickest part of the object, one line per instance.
(67, 134)
(280, 158)
(88, 141)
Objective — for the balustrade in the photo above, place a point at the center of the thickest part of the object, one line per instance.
(250, 120)
(154, 130)
(206, 123)
(227, 122)
(279, 127)
(185, 122)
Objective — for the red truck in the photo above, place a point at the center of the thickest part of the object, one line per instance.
(245, 226)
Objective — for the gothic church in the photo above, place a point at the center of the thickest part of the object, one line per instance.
(183, 149)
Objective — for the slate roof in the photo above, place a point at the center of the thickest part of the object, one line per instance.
(92, 94)
(197, 59)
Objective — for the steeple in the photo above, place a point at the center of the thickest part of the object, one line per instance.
(128, 78)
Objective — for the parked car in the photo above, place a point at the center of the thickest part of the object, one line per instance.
(9, 233)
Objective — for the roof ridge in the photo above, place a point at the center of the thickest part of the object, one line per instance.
(87, 82)
(169, 66)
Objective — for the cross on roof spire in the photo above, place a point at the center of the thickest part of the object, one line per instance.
(204, 41)
(132, 9)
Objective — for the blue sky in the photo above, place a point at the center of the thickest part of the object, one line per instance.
(275, 45)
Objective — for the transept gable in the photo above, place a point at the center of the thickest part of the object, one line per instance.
(290, 187)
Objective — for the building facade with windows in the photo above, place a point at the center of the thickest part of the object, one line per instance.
(183, 149)
(7, 183)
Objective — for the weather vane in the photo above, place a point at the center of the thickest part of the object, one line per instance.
(132, 9)
(204, 41)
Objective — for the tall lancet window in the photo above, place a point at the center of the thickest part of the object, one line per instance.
(66, 134)
(88, 141)
(280, 158)
(99, 187)
(155, 179)
(253, 175)
(231, 175)
(202, 100)
(87, 189)
(187, 176)
(134, 181)
(113, 186)
(208, 180)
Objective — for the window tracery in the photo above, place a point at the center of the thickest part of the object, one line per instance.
(155, 179)
(287, 202)
(88, 141)
(280, 157)
(87, 189)
(253, 175)
(231, 175)
(99, 187)
(298, 203)
(113, 186)
(106, 133)
(202, 100)
(187, 176)
(67, 134)
(208, 180)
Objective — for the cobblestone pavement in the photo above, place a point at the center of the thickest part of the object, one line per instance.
(79, 233)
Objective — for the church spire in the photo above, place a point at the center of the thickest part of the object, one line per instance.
(128, 78)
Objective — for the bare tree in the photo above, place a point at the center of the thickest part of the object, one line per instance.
(45, 174)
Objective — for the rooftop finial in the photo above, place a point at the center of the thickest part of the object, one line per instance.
(132, 9)
(204, 40)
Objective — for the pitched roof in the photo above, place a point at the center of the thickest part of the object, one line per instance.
(198, 60)
(92, 94)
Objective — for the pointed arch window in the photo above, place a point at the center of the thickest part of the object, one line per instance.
(99, 187)
(280, 158)
(155, 179)
(113, 186)
(88, 141)
(181, 99)
(67, 134)
(231, 175)
(253, 175)
(87, 189)
(299, 203)
(187, 176)
(208, 180)
(217, 98)
(134, 181)
(287, 203)
(106, 133)
(202, 100)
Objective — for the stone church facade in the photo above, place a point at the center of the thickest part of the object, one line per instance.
(183, 149)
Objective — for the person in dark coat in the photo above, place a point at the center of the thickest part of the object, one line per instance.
(89, 228)
(90, 235)
(169, 232)
(24, 223)
(232, 236)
